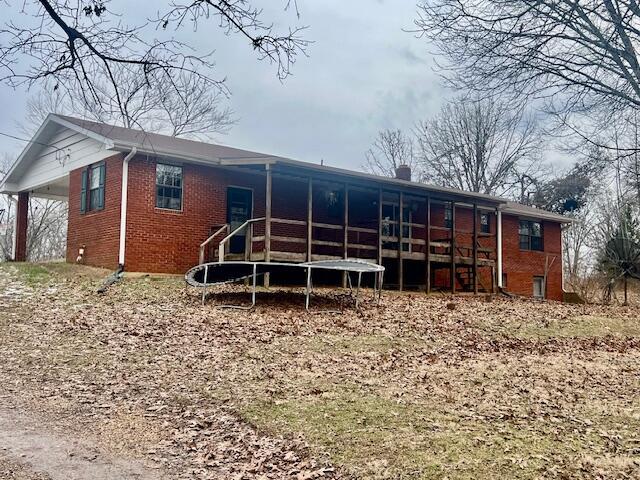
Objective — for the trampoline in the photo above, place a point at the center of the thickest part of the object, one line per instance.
(219, 273)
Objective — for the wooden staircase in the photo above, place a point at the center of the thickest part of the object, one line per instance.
(465, 279)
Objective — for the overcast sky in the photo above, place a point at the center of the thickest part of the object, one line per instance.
(363, 74)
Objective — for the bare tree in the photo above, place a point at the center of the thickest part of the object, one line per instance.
(197, 112)
(390, 149)
(83, 47)
(480, 146)
(580, 55)
(46, 227)
(7, 214)
(577, 240)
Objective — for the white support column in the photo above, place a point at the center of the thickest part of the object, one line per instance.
(14, 237)
(499, 246)
(123, 204)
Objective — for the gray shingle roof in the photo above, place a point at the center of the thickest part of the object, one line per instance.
(191, 149)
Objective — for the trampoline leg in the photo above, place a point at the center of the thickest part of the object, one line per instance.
(306, 302)
(380, 287)
(358, 287)
(253, 292)
(375, 285)
(204, 287)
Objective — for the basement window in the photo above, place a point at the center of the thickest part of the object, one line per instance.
(538, 287)
(92, 191)
(168, 186)
(530, 235)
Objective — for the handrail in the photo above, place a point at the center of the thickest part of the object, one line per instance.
(224, 227)
(226, 239)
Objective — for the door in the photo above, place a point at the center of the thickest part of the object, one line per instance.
(239, 205)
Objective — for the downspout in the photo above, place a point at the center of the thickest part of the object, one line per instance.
(14, 240)
(499, 236)
(123, 205)
(563, 227)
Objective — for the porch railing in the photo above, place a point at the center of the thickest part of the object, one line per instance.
(249, 238)
(207, 242)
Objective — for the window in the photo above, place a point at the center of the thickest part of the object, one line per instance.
(390, 223)
(530, 235)
(168, 186)
(92, 189)
(484, 223)
(335, 204)
(538, 287)
(448, 216)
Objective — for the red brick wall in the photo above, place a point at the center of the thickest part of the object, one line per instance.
(167, 241)
(520, 266)
(464, 237)
(98, 230)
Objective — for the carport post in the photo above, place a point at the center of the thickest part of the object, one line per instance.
(20, 233)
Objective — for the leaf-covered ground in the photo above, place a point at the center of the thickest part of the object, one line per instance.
(419, 387)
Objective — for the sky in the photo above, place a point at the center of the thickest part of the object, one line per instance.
(364, 72)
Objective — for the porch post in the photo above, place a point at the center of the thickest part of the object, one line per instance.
(499, 247)
(427, 252)
(310, 220)
(21, 222)
(345, 240)
(267, 222)
(400, 227)
(475, 248)
(453, 247)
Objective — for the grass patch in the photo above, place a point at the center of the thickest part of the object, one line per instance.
(32, 273)
(582, 326)
(377, 438)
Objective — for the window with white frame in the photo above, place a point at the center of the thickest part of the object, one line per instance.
(530, 233)
(168, 186)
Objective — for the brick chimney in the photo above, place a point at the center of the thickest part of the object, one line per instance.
(403, 172)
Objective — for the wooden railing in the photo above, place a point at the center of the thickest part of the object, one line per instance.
(246, 225)
(461, 249)
(203, 245)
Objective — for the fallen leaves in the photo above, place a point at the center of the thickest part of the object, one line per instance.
(412, 388)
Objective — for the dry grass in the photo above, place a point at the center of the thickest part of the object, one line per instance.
(509, 388)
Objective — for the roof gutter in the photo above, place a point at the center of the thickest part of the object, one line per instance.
(123, 204)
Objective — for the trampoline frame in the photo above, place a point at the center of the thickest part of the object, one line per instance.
(347, 265)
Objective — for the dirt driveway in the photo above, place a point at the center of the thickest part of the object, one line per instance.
(31, 450)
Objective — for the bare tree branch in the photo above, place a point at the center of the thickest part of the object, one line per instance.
(84, 48)
(481, 146)
(391, 149)
(579, 55)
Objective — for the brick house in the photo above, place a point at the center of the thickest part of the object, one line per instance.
(154, 203)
